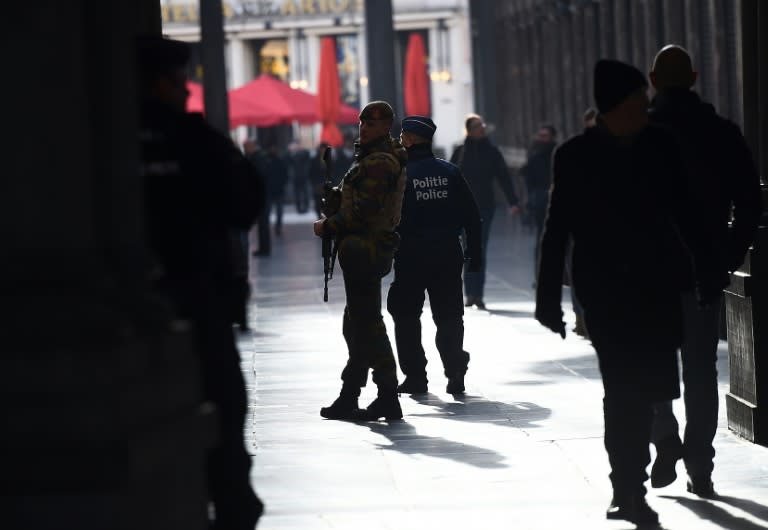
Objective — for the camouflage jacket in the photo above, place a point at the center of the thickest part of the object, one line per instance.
(371, 191)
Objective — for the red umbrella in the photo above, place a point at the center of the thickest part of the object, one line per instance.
(329, 93)
(241, 111)
(416, 80)
(287, 104)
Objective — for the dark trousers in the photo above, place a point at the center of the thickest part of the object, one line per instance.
(265, 239)
(538, 208)
(301, 194)
(474, 282)
(363, 267)
(699, 359)
(628, 419)
(229, 464)
(631, 388)
(436, 270)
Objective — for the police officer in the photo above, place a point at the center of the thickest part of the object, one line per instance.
(199, 188)
(438, 205)
(364, 229)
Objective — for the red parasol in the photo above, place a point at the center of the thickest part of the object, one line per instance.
(241, 111)
(329, 93)
(416, 80)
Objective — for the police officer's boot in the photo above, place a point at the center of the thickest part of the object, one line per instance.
(386, 405)
(345, 407)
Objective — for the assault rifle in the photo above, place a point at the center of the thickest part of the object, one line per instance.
(329, 246)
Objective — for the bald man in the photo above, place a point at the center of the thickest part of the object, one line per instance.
(721, 178)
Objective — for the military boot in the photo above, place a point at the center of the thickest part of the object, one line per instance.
(386, 405)
(345, 407)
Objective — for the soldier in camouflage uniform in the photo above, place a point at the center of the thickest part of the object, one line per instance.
(364, 229)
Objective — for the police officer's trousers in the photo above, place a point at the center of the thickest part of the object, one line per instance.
(435, 268)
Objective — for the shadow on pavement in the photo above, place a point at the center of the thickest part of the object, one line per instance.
(404, 439)
(510, 313)
(711, 512)
(475, 409)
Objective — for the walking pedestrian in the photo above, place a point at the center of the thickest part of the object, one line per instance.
(437, 206)
(723, 184)
(364, 230)
(482, 163)
(629, 265)
(537, 174)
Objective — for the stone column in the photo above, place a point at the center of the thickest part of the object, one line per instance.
(747, 297)
(99, 389)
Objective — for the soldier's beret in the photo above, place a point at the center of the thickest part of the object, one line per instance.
(377, 110)
(420, 126)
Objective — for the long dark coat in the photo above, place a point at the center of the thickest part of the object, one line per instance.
(621, 201)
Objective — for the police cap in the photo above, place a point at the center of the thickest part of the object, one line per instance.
(420, 126)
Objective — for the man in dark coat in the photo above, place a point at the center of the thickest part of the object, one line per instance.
(722, 180)
(629, 268)
(537, 173)
(481, 162)
(199, 188)
(437, 206)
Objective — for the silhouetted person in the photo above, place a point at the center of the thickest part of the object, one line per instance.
(343, 158)
(722, 179)
(255, 156)
(364, 230)
(629, 267)
(275, 171)
(537, 173)
(482, 163)
(298, 166)
(199, 188)
(317, 177)
(437, 206)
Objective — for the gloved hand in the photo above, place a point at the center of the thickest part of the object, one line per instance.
(551, 318)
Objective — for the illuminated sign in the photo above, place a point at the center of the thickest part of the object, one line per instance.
(188, 12)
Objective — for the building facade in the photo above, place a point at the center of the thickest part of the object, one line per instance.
(282, 38)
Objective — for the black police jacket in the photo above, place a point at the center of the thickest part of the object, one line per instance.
(438, 204)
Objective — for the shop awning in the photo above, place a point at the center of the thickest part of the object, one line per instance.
(241, 111)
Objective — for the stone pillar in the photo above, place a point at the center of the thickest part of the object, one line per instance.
(99, 390)
(747, 297)
(214, 73)
(380, 44)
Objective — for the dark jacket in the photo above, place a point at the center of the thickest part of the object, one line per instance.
(721, 174)
(481, 163)
(198, 189)
(537, 171)
(629, 262)
(438, 205)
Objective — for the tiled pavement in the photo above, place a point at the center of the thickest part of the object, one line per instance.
(523, 449)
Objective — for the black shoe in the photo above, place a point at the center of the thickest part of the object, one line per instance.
(344, 408)
(412, 386)
(455, 384)
(668, 452)
(633, 509)
(384, 406)
(471, 300)
(479, 303)
(701, 485)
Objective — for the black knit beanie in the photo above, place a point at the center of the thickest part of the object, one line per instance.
(614, 81)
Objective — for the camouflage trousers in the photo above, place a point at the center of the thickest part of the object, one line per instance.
(364, 263)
